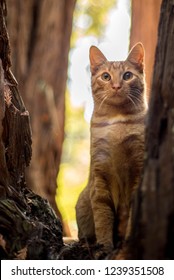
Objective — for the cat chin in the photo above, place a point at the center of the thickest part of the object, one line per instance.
(117, 101)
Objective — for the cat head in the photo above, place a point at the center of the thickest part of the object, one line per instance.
(118, 83)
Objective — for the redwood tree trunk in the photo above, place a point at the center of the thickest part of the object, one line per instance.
(154, 213)
(29, 229)
(39, 32)
(145, 18)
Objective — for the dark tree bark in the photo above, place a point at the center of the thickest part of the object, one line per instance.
(154, 212)
(29, 229)
(144, 28)
(15, 152)
(39, 32)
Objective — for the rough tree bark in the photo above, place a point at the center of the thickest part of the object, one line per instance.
(39, 32)
(154, 213)
(29, 229)
(144, 27)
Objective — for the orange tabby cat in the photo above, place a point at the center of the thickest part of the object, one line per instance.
(117, 146)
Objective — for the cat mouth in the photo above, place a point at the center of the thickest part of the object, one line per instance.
(117, 93)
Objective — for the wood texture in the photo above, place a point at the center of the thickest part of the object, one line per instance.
(29, 228)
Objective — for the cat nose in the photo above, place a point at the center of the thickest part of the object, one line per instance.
(116, 86)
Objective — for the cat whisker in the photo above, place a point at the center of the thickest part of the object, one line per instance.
(136, 99)
(136, 91)
(137, 105)
(102, 96)
(105, 97)
(136, 95)
(102, 92)
(130, 98)
(99, 99)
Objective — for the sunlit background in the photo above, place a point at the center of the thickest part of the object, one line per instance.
(105, 24)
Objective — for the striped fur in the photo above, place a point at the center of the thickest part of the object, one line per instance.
(117, 147)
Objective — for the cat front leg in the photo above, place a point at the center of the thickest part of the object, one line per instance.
(84, 217)
(103, 212)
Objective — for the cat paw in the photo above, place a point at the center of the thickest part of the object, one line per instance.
(105, 250)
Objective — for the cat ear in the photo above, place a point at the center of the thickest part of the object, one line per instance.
(136, 55)
(96, 58)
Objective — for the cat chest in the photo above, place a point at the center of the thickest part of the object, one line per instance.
(117, 159)
(110, 140)
(117, 151)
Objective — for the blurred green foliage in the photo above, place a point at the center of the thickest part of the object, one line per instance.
(90, 18)
(73, 174)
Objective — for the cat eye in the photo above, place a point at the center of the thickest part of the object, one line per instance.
(105, 76)
(127, 76)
